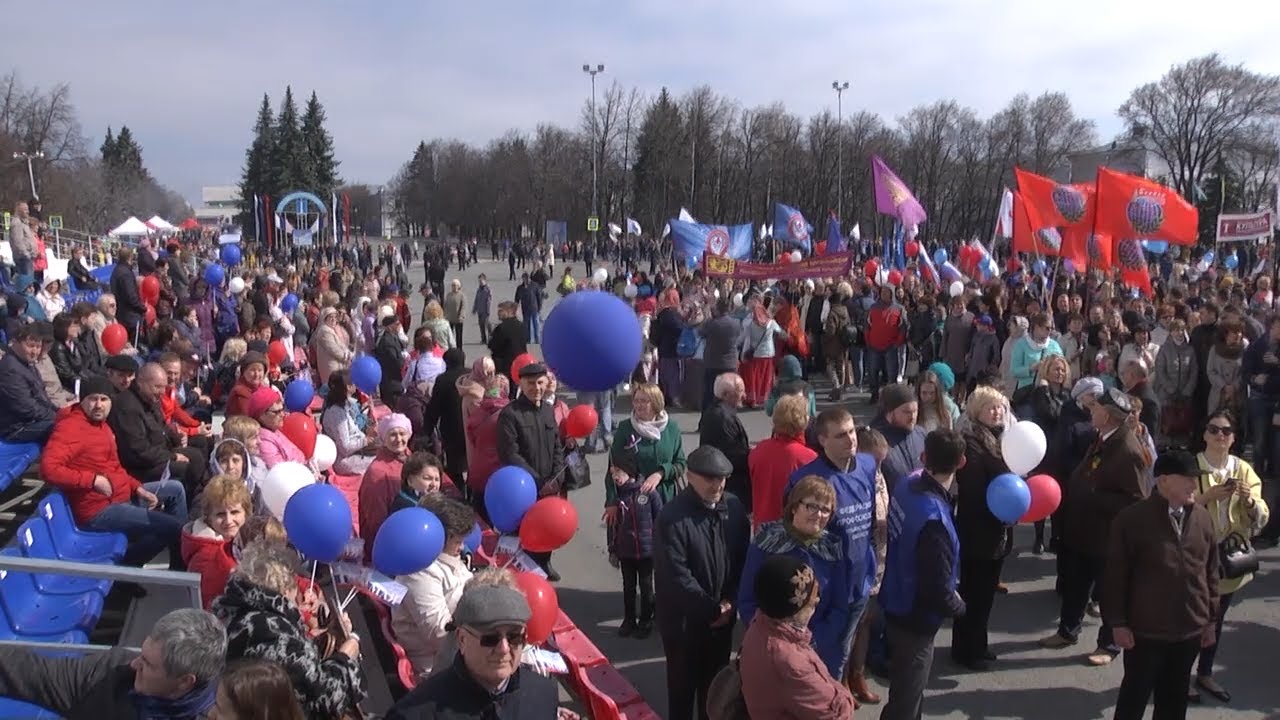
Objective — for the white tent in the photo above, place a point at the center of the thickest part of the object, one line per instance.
(160, 224)
(132, 227)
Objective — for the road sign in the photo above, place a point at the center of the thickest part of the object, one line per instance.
(6, 220)
(55, 222)
(593, 224)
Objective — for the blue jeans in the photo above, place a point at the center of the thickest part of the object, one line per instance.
(532, 325)
(24, 266)
(877, 361)
(856, 608)
(148, 531)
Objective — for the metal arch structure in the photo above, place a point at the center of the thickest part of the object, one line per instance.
(299, 199)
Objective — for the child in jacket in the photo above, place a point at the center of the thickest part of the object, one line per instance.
(631, 523)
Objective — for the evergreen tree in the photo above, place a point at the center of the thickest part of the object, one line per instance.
(127, 155)
(258, 176)
(109, 148)
(319, 145)
(290, 163)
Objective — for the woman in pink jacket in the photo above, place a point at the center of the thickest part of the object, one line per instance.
(267, 407)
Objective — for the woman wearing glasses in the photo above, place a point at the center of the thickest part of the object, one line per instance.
(1232, 493)
(802, 533)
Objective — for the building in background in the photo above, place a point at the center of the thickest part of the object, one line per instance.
(218, 204)
(1131, 154)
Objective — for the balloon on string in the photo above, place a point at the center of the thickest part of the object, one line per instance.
(301, 430)
(518, 363)
(281, 482)
(317, 520)
(737, 300)
(1008, 498)
(410, 540)
(150, 316)
(544, 606)
(508, 495)
(1046, 496)
(277, 352)
(956, 289)
(870, 268)
(895, 277)
(549, 525)
(298, 395)
(149, 289)
(214, 275)
(474, 539)
(592, 340)
(230, 254)
(912, 248)
(1069, 265)
(580, 422)
(236, 286)
(1231, 262)
(114, 338)
(630, 290)
(1038, 266)
(949, 272)
(796, 256)
(366, 374)
(1209, 256)
(1023, 447)
(288, 303)
(940, 256)
(601, 275)
(1156, 247)
(325, 454)
(785, 259)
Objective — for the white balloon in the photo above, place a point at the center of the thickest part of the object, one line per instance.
(325, 454)
(1023, 447)
(737, 299)
(630, 290)
(237, 285)
(716, 293)
(957, 288)
(796, 256)
(600, 275)
(882, 277)
(281, 482)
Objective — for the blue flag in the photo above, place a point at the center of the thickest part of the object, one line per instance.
(693, 239)
(899, 248)
(790, 227)
(835, 241)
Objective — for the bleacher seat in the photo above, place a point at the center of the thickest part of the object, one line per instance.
(72, 543)
(15, 458)
(51, 584)
(10, 708)
(31, 614)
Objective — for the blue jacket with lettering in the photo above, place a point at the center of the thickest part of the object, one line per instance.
(923, 560)
(855, 511)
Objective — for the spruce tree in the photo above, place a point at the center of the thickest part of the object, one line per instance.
(258, 176)
(127, 157)
(291, 165)
(109, 148)
(319, 144)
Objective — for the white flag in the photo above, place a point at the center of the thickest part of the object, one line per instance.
(666, 230)
(633, 227)
(1004, 218)
(614, 230)
(856, 232)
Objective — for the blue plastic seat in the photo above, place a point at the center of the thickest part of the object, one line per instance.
(31, 614)
(73, 636)
(51, 584)
(15, 458)
(10, 708)
(72, 543)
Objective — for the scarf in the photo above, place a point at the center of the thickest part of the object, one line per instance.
(188, 707)
(1037, 346)
(650, 429)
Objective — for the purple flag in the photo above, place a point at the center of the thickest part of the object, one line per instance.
(893, 197)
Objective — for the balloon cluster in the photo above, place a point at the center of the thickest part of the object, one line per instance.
(1009, 497)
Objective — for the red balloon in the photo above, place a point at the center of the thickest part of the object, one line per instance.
(912, 248)
(1046, 495)
(114, 338)
(149, 289)
(301, 430)
(895, 277)
(150, 317)
(581, 421)
(549, 525)
(544, 606)
(870, 268)
(277, 352)
(521, 360)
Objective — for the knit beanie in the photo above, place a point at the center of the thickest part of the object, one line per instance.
(945, 374)
(95, 385)
(261, 400)
(783, 586)
(895, 396)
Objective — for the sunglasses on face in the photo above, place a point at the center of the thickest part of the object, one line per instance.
(1218, 429)
(515, 638)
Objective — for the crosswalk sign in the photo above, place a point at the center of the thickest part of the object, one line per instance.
(55, 222)
(593, 224)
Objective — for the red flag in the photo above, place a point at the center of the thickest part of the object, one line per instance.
(1133, 208)
(1030, 233)
(1133, 265)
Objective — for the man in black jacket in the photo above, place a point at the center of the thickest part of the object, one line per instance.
(444, 410)
(507, 339)
(1136, 376)
(148, 449)
(721, 428)
(700, 546)
(529, 438)
(26, 413)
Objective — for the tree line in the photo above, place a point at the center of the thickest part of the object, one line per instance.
(289, 152)
(1214, 125)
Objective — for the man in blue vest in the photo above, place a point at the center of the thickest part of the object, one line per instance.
(921, 573)
(854, 478)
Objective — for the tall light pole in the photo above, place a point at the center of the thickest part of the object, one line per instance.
(840, 87)
(31, 174)
(595, 209)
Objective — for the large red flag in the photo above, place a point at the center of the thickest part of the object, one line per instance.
(1133, 265)
(1133, 208)
(1060, 206)
(1030, 233)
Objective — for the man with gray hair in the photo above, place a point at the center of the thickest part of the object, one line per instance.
(1136, 378)
(23, 241)
(148, 450)
(174, 677)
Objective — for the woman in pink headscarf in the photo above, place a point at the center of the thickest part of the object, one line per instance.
(382, 481)
(267, 407)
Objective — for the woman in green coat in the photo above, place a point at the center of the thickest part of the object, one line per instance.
(655, 440)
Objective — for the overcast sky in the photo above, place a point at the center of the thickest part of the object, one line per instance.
(187, 77)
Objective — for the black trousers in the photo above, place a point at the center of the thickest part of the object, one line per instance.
(637, 573)
(190, 473)
(457, 333)
(978, 579)
(694, 656)
(1159, 669)
(1081, 576)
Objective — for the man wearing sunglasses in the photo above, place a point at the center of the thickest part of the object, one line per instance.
(486, 679)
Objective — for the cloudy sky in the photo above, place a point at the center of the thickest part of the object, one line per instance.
(187, 77)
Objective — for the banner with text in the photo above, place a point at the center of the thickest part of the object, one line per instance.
(1244, 226)
(821, 266)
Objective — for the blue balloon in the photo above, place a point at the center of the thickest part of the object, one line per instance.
(508, 495)
(230, 254)
(1208, 257)
(1156, 247)
(318, 521)
(410, 540)
(1231, 261)
(473, 539)
(940, 256)
(298, 395)
(592, 341)
(949, 272)
(366, 373)
(1008, 498)
(1038, 267)
(214, 275)
(289, 303)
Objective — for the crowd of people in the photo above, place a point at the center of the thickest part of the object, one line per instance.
(842, 548)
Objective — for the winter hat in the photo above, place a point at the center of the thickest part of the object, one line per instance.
(261, 400)
(251, 358)
(783, 586)
(391, 422)
(895, 396)
(945, 374)
(1086, 386)
(985, 320)
(96, 385)
(485, 606)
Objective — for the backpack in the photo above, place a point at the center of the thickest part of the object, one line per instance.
(687, 345)
(724, 696)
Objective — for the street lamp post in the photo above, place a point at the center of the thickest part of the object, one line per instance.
(31, 174)
(593, 71)
(840, 87)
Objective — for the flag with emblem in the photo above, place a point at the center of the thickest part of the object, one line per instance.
(692, 240)
(790, 227)
(893, 197)
(1134, 208)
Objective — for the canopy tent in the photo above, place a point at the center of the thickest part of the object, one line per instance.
(132, 227)
(158, 223)
(190, 224)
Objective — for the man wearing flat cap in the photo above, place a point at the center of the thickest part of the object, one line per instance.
(700, 546)
(529, 438)
(1111, 477)
(1160, 595)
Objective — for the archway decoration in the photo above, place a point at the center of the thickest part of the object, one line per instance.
(301, 215)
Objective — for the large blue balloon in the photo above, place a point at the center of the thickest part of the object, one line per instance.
(1232, 261)
(474, 539)
(298, 395)
(366, 373)
(1038, 267)
(508, 495)
(1008, 497)
(318, 521)
(939, 256)
(410, 540)
(214, 275)
(1156, 247)
(289, 303)
(230, 254)
(592, 341)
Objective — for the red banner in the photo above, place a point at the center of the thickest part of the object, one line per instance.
(818, 266)
(1245, 226)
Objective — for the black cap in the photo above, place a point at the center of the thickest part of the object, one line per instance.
(94, 385)
(533, 369)
(1178, 462)
(708, 461)
(626, 460)
(1116, 398)
(121, 363)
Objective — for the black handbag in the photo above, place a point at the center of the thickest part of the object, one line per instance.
(577, 474)
(1236, 557)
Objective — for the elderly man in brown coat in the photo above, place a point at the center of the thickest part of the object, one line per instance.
(1108, 479)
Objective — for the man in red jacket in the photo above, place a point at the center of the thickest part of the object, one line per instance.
(82, 461)
(885, 336)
